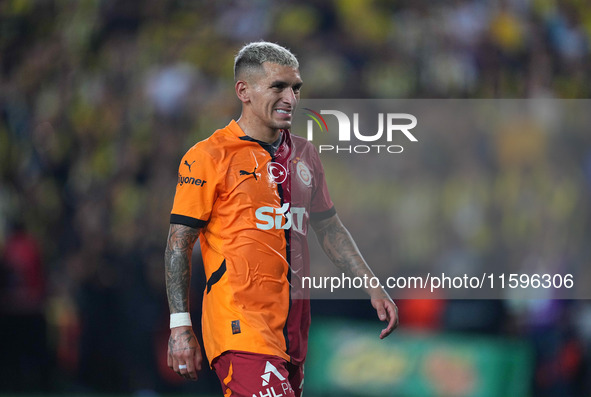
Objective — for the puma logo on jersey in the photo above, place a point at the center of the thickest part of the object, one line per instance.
(253, 173)
(189, 165)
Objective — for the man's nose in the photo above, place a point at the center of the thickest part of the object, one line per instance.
(290, 96)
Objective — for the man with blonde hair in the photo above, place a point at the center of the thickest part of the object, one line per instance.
(249, 193)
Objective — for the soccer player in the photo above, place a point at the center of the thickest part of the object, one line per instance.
(249, 193)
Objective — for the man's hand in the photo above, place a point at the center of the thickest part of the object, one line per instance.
(387, 311)
(184, 352)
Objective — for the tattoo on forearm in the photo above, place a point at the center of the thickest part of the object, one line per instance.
(341, 249)
(177, 261)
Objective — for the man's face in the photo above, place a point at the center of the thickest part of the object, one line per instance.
(274, 95)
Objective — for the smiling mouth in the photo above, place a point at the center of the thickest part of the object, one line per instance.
(281, 111)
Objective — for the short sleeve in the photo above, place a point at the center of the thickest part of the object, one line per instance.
(321, 206)
(196, 189)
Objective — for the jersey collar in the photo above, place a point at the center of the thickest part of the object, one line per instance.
(235, 129)
(282, 151)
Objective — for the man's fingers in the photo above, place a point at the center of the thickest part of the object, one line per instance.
(381, 311)
(193, 366)
(197, 359)
(175, 365)
(395, 314)
(392, 320)
(188, 370)
(388, 330)
(187, 363)
(387, 311)
(179, 364)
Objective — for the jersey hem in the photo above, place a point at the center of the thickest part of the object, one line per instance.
(287, 358)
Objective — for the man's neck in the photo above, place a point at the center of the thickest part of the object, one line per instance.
(262, 134)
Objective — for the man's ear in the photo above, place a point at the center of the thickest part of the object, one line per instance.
(241, 88)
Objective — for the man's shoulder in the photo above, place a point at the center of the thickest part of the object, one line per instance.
(301, 142)
(304, 148)
(214, 145)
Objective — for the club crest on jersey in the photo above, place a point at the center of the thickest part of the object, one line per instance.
(304, 173)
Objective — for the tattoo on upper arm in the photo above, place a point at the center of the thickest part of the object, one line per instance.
(177, 260)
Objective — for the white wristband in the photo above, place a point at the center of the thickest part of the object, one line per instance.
(180, 320)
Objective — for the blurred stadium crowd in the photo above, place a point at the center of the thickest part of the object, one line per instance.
(100, 99)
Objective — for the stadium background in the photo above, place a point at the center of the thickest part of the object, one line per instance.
(99, 100)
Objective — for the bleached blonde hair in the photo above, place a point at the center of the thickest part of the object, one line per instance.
(252, 56)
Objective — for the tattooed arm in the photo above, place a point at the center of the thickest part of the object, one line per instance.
(341, 249)
(183, 347)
